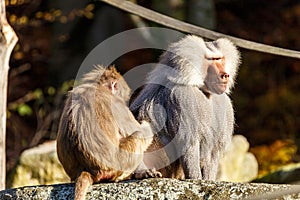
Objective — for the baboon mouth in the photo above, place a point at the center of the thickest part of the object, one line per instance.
(221, 87)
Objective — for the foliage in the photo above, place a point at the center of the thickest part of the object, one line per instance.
(42, 106)
(52, 15)
(272, 157)
(37, 99)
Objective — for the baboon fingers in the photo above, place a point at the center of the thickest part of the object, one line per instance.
(147, 173)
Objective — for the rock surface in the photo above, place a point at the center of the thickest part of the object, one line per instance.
(159, 189)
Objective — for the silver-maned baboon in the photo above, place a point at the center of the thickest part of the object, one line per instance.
(186, 101)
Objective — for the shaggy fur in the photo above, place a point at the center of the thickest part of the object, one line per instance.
(193, 126)
(98, 137)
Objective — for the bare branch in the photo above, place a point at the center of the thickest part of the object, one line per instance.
(196, 30)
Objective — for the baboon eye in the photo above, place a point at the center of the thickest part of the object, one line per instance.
(216, 58)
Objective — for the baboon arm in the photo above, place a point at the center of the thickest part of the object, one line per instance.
(187, 109)
(190, 161)
(184, 107)
(125, 121)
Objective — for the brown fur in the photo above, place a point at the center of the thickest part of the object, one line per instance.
(98, 138)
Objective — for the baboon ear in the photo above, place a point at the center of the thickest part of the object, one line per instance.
(113, 86)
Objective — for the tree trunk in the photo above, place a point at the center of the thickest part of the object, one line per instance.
(8, 39)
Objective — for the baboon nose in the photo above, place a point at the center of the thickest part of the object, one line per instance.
(224, 76)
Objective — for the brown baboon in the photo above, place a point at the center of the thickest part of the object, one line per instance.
(98, 137)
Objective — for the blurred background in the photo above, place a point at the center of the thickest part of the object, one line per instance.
(55, 36)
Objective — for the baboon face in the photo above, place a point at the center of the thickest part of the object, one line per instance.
(216, 79)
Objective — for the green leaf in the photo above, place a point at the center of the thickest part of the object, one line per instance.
(51, 91)
(38, 93)
(67, 85)
(24, 109)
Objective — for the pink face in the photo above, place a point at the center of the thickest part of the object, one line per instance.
(216, 79)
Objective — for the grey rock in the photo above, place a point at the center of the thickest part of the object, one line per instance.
(159, 189)
(39, 165)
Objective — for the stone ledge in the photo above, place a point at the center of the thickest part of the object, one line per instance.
(159, 189)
